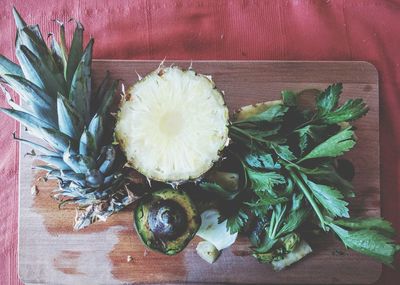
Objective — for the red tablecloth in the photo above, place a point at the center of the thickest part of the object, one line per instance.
(281, 30)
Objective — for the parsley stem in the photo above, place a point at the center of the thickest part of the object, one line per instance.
(309, 198)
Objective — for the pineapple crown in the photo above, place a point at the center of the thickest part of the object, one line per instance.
(60, 108)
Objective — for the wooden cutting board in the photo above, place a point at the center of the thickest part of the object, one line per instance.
(51, 252)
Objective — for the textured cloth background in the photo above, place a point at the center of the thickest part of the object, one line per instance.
(278, 30)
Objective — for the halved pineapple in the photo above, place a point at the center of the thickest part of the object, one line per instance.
(172, 125)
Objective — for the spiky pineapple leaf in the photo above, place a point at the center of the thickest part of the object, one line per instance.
(70, 121)
(96, 129)
(98, 96)
(81, 84)
(108, 98)
(87, 144)
(41, 148)
(19, 22)
(77, 178)
(10, 100)
(54, 138)
(58, 54)
(42, 105)
(27, 119)
(55, 161)
(75, 53)
(41, 73)
(9, 67)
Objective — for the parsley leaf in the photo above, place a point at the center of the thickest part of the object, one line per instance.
(326, 173)
(264, 181)
(336, 145)
(283, 151)
(329, 197)
(328, 100)
(351, 110)
(369, 242)
(236, 222)
(261, 161)
(310, 134)
(377, 224)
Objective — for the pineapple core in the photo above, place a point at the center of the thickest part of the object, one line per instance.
(173, 125)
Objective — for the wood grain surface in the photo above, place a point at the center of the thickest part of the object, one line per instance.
(50, 252)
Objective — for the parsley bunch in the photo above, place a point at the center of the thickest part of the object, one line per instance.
(289, 157)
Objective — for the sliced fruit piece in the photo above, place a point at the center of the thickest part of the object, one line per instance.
(207, 251)
(166, 220)
(172, 125)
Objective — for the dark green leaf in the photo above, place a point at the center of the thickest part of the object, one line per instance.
(309, 135)
(334, 146)
(352, 110)
(261, 160)
(377, 224)
(289, 98)
(329, 197)
(368, 242)
(328, 100)
(237, 221)
(326, 173)
(283, 151)
(264, 181)
(294, 220)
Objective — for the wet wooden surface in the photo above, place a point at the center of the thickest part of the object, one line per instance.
(50, 252)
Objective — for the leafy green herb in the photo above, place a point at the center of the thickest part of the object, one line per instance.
(328, 100)
(369, 242)
(334, 146)
(236, 222)
(289, 157)
(329, 197)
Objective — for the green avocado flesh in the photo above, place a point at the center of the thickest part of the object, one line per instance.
(166, 220)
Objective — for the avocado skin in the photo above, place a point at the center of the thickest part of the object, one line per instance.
(164, 243)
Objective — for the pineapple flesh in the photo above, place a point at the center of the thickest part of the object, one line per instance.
(72, 121)
(172, 125)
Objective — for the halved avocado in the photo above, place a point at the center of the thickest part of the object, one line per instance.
(166, 220)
